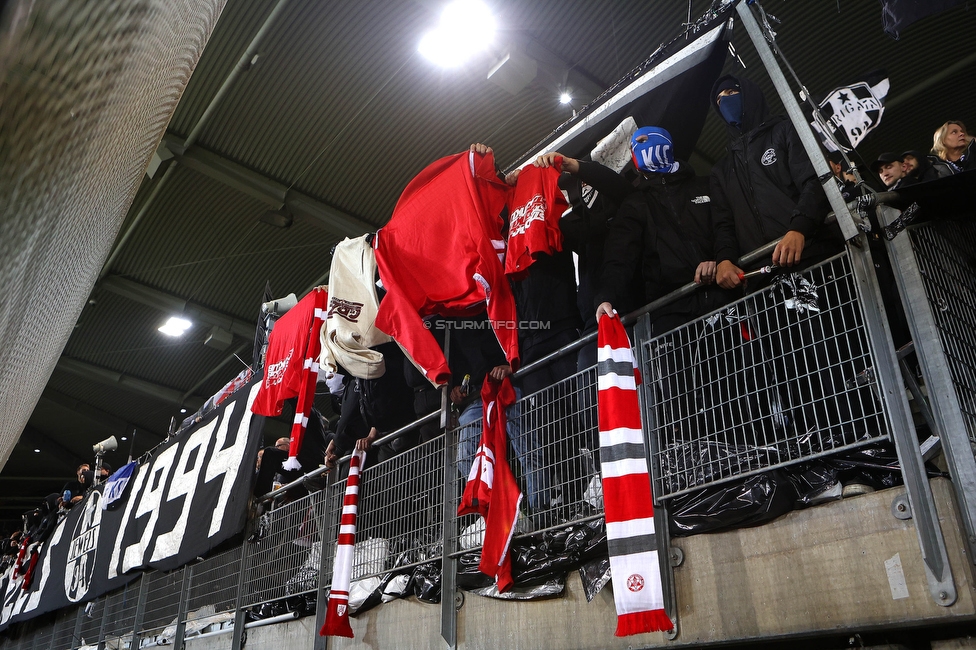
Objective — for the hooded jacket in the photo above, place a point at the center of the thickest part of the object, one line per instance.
(766, 185)
(924, 171)
(665, 226)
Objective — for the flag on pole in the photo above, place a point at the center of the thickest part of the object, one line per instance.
(848, 113)
(628, 505)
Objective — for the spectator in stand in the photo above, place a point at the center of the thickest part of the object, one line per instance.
(918, 166)
(74, 491)
(664, 229)
(891, 169)
(585, 229)
(765, 188)
(475, 354)
(371, 407)
(953, 147)
(846, 180)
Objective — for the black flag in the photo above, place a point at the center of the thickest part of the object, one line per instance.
(899, 14)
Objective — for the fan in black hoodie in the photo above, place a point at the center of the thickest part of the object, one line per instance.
(765, 188)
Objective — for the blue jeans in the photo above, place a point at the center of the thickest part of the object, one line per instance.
(527, 448)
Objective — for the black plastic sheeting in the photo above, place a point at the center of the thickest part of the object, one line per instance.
(541, 561)
(763, 497)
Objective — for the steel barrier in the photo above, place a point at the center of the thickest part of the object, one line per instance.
(786, 374)
(780, 376)
(933, 267)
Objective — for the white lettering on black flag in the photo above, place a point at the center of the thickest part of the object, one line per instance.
(849, 113)
(191, 496)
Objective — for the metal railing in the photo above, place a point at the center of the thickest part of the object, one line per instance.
(781, 376)
(786, 374)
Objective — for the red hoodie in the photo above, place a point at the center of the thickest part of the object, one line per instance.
(440, 254)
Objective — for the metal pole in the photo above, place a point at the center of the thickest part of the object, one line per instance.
(244, 63)
(648, 409)
(329, 520)
(238, 640)
(448, 561)
(135, 221)
(947, 413)
(140, 610)
(103, 623)
(795, 113)
(76, 633)
(183, 608)
(931, 541)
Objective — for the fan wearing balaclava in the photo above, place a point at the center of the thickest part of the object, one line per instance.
(765, 188)
(663, 228)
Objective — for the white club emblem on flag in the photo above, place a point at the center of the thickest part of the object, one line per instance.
(849, 113)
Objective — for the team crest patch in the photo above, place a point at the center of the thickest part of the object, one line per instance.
(635, 582)
(768, 157)
(702, 199)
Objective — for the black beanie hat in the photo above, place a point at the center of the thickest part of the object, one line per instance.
(726, 83)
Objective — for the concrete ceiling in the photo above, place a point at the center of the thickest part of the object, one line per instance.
(324, 111)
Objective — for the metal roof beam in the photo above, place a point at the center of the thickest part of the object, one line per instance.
(36, 438)
(151, 297)
(265, 189)
(131, 384)
(107, 421)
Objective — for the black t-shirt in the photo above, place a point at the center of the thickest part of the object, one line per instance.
(76, 489)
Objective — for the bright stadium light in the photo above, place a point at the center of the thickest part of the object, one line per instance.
(565, 98)
(175, 326)
(466, 28)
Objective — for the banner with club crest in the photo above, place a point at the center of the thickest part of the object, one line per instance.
(189, 497)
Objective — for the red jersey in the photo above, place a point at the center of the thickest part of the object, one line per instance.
(437, 255)
(533, 228)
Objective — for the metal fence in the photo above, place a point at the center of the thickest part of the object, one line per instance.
(786, 374)
(780, 376)
(944, 253)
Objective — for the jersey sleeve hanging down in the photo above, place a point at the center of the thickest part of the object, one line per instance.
(491, 489)
(437, 255)
(292, 366)
(533, 228)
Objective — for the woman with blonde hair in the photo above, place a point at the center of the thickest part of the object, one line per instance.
(954, 147)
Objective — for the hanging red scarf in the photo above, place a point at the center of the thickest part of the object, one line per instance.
(491, 490)
(337, 616)
(627, 499)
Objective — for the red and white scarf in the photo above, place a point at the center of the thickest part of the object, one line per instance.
(492, 490)
(337, 616)
(627, 499)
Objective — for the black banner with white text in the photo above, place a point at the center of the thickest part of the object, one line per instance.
(191, 496)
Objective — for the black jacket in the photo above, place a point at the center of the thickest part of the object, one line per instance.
(967, 162)
(766, 185)
(664, 228)
(585, 229)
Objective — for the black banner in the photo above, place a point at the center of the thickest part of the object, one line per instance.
(191, 496)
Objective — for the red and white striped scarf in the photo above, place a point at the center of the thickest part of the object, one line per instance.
(337, 616)
(492, 490)
(310, 370)
(628, 504)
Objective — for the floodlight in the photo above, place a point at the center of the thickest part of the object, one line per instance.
(175, 326)
(466, 27)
